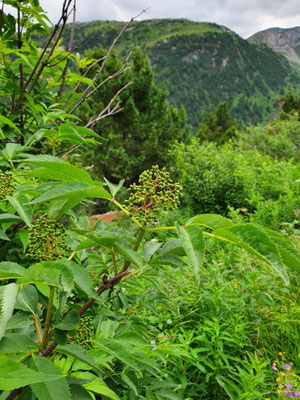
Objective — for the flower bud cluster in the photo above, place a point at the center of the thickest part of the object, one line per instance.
(154, 192)
(47, 240)
(7, 184)
(85, 330)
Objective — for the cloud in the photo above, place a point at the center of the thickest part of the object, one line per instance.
(243, 17)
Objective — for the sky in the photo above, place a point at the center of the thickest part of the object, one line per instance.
(245, 17)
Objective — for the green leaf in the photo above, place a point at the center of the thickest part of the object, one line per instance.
(55, 168)
(114, 189)
(3, 236)
(168, 259)
(15, 375)
(255, 242)
(67, 322)
(78, 353)
(66, 190)
(289, 259)
(56, 389)
(37, 273)
(81, 278)
(95, 240)
(17, 343)
(191, 238)
(257, 239)
(24, 210)
(118, 350)
(174, 247)
(128, 254)
(66, 274)
(8, 122)
(100, 387)
(59, 207)
(28, 299)
(78, 392)
(150, 248)
(9, 218)
(8, 298)
(212, 221)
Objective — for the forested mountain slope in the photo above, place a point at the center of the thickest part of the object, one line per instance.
(201, 64)
(285, 41)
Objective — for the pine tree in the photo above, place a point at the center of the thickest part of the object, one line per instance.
(217, 126)
(140, 135)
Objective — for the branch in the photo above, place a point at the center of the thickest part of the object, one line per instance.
(106, 112)
(86, 91)
(63, 18)
(64, 74)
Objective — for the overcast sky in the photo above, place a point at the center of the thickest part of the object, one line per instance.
(245, 17)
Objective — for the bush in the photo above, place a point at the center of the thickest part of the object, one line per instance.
(216, 178)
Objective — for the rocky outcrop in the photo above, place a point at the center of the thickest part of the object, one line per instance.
(286, 41)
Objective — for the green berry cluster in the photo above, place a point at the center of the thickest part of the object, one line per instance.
(155, 192)
(85, 330)
(7, 184)
(47, 240)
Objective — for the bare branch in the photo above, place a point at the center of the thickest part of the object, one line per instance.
(106, 112)
(63, 18)
(86, 91)
(64, 74)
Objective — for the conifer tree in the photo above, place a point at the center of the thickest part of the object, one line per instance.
(217, 126)
(140, 135)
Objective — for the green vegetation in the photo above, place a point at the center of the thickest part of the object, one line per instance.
(201, 65)
(137, 137)
(114, 311)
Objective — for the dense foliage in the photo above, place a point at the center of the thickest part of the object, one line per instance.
(139, 136)
(115, 311)
(203, 64)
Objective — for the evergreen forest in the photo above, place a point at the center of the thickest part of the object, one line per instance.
(149, 222)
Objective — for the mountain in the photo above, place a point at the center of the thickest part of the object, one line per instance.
(285, 41)
(201, 64)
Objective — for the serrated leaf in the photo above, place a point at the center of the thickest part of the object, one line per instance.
(17, 343)
(66, 274)
(98, 386)
(168, 259)
(212, 221)
(257, 244)
(78, 392)
(174, 247)
(24, 210)
(8, 122)
(55, 168)
(131, 338)
(289, 258)
(129, 255)
(28, 299)
(37, 273)
(57, 389)
(8, 298)
(65, 190)
(114, 189)
(3, 236)
(15, 375)
(258, 240)
(9, 218)
(191, 238)
(118, 350)
(150, 248)
(67, 322)
(78, 353)
(82, 278)
(95, 240)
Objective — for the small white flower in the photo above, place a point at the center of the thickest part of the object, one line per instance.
(169, 321)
